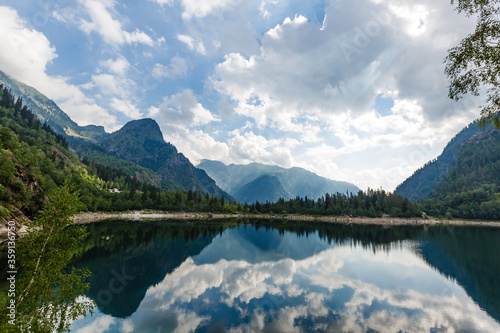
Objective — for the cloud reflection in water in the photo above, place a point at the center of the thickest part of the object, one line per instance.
(251, 280)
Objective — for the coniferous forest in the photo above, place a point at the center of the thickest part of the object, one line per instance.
(471, 188)
(35, 160)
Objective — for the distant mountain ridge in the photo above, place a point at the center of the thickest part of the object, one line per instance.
(255, 181)
(137, 148)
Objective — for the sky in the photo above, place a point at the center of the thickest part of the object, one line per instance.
(351, 90)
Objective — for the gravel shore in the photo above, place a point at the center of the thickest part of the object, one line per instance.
(85, 218)
(387, 221)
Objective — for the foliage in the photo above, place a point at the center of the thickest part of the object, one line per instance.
(34, 159)
(471, 188)
(373, 203)
(46, 290)
(473, 63)
(420, 185)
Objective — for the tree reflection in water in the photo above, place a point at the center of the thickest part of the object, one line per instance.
(276, 275)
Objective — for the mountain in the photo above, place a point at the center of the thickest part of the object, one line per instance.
(471, 188)
(265, 188)
(141, 141)
(247, 184)
(48, 112)
(35, 161)
(138, 148)
(422, 182)
(464, 181)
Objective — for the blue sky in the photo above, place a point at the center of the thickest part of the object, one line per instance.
(351, 90)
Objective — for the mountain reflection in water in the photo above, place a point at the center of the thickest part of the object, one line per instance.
(286, 277)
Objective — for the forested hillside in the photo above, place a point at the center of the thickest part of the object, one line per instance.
(471, 188)
(34, 160)
(141, 142)
(152, 161)
(422, 182)
(48, 111)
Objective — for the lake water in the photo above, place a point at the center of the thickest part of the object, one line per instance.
(272, 276)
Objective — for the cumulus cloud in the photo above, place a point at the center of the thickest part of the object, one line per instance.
(126, 107)
(101, 324)
(321, 79)
(119, 66)
(196, 144)
(111, 85)
(182, 110)
(258, 291)
(108, 27)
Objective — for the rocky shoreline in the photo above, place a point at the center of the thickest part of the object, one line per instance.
(88, 217)
(386, 221)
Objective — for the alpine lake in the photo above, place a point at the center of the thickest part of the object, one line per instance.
(279, 276)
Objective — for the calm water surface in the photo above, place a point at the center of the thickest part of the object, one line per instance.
(287, 277)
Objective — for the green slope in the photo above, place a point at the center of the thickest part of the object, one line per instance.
(471, 188)
(141, 142)
(48, 111)
(154, 161)
(34, 161)
(422, 182)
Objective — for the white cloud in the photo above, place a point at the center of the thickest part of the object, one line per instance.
(276, 32)
(164, 2)
(182, 111)
(301, 81)
(25, 55)
(197, 145)
(119, 66)
(101, 324)
(110, 28)
(249, 147)
(178, 67)
(199, 9)
(196, 45)
(126, 107)
(112, 85)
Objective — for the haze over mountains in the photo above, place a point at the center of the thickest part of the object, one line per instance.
(139, 149)
(463, 181)
(255, 181)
